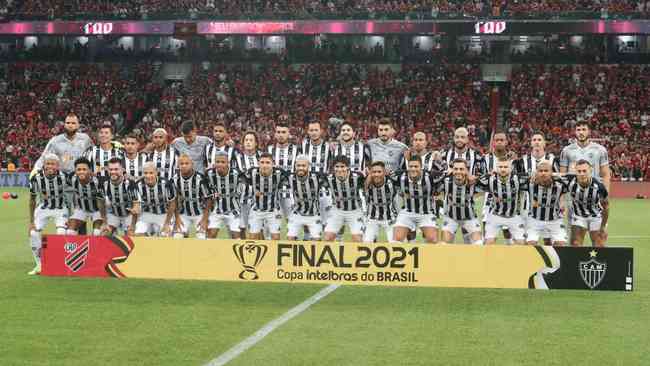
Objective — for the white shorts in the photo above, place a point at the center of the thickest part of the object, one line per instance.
(413, 221)
(495, 223)
(589, 223)
(338, 218)
(43, 215)
(118, 222)
(325, 205)
(258, 220)
(373, 227)
(451, 226)
(188, 222)
(555, 230)
(82, 215)
(150, 222)
(285, 204)
(232, 222)
(297, 222)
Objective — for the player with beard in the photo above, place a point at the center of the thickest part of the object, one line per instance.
(123, 198)
(264, 184)
(527, 165)
(284, 157)
(305, 188)
(386, 149)
(219, 138)
(68, 146)
(545, 201)
(590, 205)
(380, 192)
(248, 158)
(163, 155)
(88, 199)
(462, 150)
(48, 187)
(100, 155)
(158, 202)
(226, 185)
(133, 159)
(345, 187)
(500, 152)
(459, 190)
(585, 149)
(356, 151)
(193, 199)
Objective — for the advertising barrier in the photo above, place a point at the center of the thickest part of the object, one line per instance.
(14, 179)
(423, 265)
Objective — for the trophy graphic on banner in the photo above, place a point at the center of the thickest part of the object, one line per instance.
(249, 254)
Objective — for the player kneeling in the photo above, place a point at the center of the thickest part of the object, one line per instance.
(504, 188)
(459, 191)
(305, 188)
(344, 187)
(88, 199)
(380, 196)
(48, 187)
(225, 184)
(590, 206)
(123, 199)
(193, 199)
(158, 201)
(545, 217)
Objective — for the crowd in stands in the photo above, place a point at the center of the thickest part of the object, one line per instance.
(35, 98)
(613, 98)
(306, 9)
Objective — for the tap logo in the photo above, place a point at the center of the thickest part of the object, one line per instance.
(250, 255)
(489, 27)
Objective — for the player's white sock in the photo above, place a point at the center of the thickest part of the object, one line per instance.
(478, 242)
(36, 242)
(60, 231)
(411, 241)
(178, 235)
(508, 241)
(200, 236)
(71, 232)
(97, 232)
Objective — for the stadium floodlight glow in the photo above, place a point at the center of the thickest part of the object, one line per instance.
(489, 27)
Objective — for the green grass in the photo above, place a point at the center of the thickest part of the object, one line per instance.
(70, 321)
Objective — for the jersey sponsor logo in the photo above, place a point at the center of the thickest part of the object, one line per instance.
(76, 255)
(249, 255)
(592, 271)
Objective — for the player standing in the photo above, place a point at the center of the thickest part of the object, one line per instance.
(88, 199)
(345, 189)
(219, 135)
(133, 159)
(163, 155)
(305, 188)
(100, 155)
(459, 191)
(193, 145)
(193, 199)
(380, 192)
(226, 185)
(284, 157)
(158, 203)
(545, 218)
(320, 155)
(247, 159)
(123, 198)
(385, 148)
(356, 151)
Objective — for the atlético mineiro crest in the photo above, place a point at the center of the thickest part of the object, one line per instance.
(77, 255)
(592, 271)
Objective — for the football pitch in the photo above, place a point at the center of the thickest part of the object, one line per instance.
(75, 321)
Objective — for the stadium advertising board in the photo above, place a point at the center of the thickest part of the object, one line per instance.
(350, 263)
(456, 27)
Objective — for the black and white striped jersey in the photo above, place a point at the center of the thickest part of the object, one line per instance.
(346, 193)
(458, 199)
(586, 201)
(166, 161)
(381, 200)
(527, 165)
(417, 195)
(284, 157)
(265, 189)
(544, 202)
(245, 161)
(505, 193)
(474, 159)
(211, 151)
(192, 193)
(50, 190)
(155, 199)
(319, 156)
(358, 153)
(134, 168)
(429, 164)
(306, 192)
(121, 196)
(226, 190)
(99, 158)
(86, 195)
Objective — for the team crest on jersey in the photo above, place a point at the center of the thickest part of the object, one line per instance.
(592, 271)
(249, 255)
(77, 255)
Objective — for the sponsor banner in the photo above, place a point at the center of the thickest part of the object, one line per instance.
(14, 179)
(441, 265)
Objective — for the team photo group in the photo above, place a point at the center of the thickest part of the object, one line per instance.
(198, 185)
